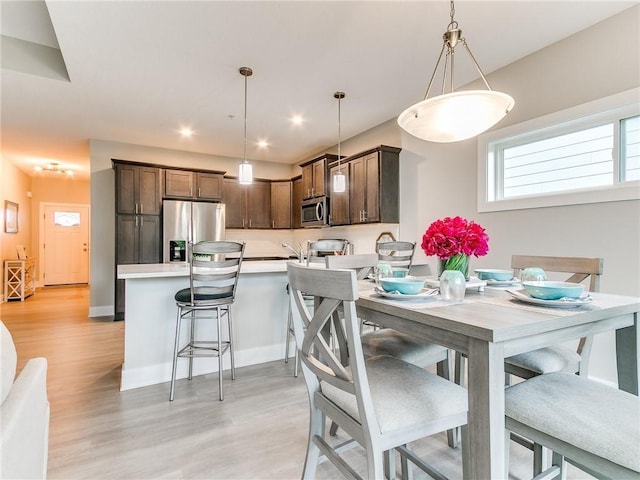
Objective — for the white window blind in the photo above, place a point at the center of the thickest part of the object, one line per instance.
(630, 148)
(575, 160)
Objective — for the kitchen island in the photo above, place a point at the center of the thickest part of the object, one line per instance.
(259, 320)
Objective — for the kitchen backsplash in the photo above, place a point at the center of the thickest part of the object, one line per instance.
(269, 242)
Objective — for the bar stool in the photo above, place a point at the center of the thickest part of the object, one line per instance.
(214, 268)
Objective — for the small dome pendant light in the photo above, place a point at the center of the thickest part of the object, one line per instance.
(245, 169)
(454, 116)
(339, 179)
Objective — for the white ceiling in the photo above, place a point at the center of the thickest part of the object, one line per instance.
(141, 70)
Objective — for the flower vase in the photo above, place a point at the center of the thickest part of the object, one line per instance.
(458, 262)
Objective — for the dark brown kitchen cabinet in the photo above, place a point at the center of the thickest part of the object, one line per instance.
(191, 185)
(281, 195)
(138, 189)
(138, 239)
(314, 176)
(296, 202)
(339, 201)
(374, 186)
(247, 206)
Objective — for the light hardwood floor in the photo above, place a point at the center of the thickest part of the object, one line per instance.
(97, 432)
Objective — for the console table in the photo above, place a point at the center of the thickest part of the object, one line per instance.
(19, 278)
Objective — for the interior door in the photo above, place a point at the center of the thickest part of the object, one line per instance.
(66, 244)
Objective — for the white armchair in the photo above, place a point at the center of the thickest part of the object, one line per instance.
(24, 414)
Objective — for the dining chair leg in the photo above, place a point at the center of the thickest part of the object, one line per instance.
(192, 329)
(231, 352)
(316, 422)
(540, 459)
(443, 369)
(289, 326)
(219, 321)
(175, 355)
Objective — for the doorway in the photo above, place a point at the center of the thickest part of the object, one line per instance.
(64, 246)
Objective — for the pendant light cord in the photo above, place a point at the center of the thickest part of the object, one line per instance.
(339, 96)
(245, 118)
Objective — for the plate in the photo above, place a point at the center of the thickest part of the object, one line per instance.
(426, 294)
(560, 303)
(498, 283)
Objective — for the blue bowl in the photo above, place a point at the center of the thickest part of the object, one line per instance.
(407, 286)
(546, 290)
(494, 274)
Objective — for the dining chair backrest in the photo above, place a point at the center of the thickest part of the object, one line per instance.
(580, 268)
(397, 254)
(214, 270)
(318, 250)
(361, 263)
(335, 289)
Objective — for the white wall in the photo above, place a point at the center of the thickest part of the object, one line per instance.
(439, 180)
(585, 67)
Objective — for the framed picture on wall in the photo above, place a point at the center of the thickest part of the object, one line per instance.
(10, 217)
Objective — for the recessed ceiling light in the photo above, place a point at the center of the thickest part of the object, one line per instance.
(186, 132)
(297, 119)
(263, 144)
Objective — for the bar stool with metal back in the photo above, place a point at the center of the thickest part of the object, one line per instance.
(214, 268)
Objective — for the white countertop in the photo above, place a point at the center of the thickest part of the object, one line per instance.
(163, 270)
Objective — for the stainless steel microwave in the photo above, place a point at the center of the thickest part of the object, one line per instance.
(315, 212)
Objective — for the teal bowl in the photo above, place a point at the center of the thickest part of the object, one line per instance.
(546, 290)
(407, 286)
(494, 274)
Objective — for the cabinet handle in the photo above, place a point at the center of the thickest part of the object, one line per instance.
(273, 224)
(136, 209)
(141, 209)
(141, 221)
(243, 223)
(136, 221)
(198, 191)
(249, 223)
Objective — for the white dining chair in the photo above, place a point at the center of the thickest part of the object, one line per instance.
(554, 358)
(396, 253)
(586, 423)
(382, 403)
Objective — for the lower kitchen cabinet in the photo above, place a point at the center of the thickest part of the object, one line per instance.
(138, 240)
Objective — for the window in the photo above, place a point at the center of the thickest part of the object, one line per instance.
(586, 154)
(66, 219)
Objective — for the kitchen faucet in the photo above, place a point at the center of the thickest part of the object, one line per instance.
(298, 253)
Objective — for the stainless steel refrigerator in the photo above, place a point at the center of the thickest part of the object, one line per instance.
(185, 222)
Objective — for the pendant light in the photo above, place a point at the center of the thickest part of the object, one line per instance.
(454, 116)
(339, 179)
(245, 169)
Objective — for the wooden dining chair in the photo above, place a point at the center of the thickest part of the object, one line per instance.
(557, 358)
(396, 254)
(586, 423)
(382, 403)
(386, 341)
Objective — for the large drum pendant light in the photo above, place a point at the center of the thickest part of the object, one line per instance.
(245, 169)
(454, 116)
(339, 180)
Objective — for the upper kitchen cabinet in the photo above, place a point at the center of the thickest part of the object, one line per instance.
(374, 179)
(247, 206)
(314, 176)
(296, 202)
(339, 202)
(138, 189)
(281, 210)
(190, 185)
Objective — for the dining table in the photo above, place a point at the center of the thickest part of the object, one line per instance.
(490, 325)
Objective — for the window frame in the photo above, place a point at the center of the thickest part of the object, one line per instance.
(605, 110)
